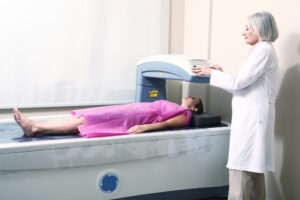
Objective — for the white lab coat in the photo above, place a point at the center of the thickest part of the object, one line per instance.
(254, 90)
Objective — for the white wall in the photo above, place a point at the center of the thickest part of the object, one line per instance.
(197, 41)
(176, 45)
(227, 48)
(60, 53)
(67, 52)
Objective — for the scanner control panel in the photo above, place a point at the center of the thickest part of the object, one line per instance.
(199, 62)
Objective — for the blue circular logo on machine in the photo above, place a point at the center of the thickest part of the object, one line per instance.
(109, 183)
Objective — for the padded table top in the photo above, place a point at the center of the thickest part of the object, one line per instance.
(10, 132)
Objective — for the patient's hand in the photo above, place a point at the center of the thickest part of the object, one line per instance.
(137, 129)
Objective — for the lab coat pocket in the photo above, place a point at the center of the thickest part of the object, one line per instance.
(247, 120)
(261, 115)
(264, 111)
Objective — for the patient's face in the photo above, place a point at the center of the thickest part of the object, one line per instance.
(190, 101)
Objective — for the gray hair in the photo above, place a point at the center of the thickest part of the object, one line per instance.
(263, 24)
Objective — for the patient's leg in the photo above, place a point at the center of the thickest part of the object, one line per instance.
(32, 128)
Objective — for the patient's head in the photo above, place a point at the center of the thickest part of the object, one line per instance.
(192, 103)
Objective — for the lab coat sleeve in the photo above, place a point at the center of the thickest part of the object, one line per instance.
(219, 79)
(255, 66)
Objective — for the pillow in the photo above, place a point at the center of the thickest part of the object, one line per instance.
(205, 119)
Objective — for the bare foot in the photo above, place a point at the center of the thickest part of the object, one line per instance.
(25, 123)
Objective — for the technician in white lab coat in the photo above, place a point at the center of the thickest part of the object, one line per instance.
(253, 109)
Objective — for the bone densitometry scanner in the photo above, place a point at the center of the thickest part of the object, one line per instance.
(182, 164)
(153, 71)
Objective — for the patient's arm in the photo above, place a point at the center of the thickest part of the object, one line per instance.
(174, 122)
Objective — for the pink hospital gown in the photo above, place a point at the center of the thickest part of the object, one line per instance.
(116, 120)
